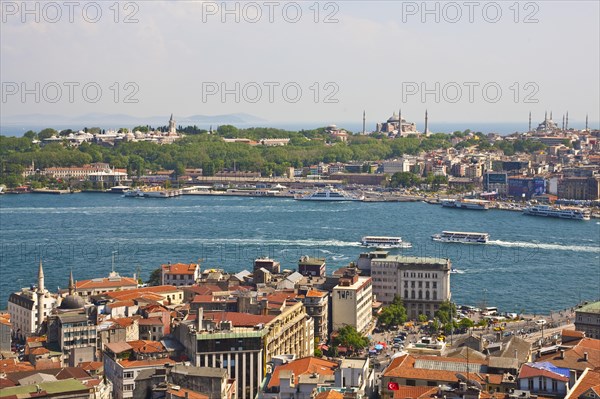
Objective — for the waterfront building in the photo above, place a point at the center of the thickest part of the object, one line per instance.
(422, 283)
(268, 264)
(314, 267)
(244, 343)
(317, 306)
(579, 188)
(352, 302)
(587, 319)
(180, 274)
(29, 308)
(496, 181)
(114, 282)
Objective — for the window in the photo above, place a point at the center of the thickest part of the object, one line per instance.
(412, 294)
(420, 284)
(530, 384)
(434, 295)
(554, 385)
(127, 375)
(411, 383)
(128, 387)
(434, 284)
(420, 294)
(405, 293)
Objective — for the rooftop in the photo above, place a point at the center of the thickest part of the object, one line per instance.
(593, 307)
(303, 366)
(180, 268)
(421, 260)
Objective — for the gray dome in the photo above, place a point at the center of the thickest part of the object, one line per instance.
(72, 302)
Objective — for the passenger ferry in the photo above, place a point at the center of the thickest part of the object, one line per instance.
(329, 194)
(384, 242)
(479, 205)
(461, 237)
(555, 212)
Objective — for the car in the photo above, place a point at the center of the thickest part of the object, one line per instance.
(540, 322)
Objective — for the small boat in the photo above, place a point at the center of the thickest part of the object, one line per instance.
(119, 189)
(461, 237)
(456, 271)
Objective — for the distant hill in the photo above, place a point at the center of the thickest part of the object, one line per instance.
(114, 120)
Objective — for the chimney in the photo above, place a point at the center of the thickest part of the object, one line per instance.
(187, 394)
(516, 354)
(562, 353)
(585, 356)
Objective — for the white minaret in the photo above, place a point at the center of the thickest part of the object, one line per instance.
(172, 127)
(40, 296)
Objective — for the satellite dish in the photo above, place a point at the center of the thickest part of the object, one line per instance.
(461, 377)
(475, 384)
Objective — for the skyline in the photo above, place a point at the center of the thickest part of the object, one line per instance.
(184, 59)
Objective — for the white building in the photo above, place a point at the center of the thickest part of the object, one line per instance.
(422, 283)
(29, 308)
(180, 274)
(352, 302)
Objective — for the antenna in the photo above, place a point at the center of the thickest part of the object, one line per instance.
(113, 260)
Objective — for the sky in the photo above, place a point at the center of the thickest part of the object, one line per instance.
(303, 61)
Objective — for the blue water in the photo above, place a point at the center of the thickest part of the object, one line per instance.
(532, 264)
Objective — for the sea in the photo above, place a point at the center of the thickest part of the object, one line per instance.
(531, 264)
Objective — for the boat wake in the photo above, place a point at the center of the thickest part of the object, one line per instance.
(245, 241)
(554, 247)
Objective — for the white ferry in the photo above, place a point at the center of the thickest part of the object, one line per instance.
(384, 242)
(329, 194)
(555, 212)
(135, 193)
(461, 237)
(479, 205)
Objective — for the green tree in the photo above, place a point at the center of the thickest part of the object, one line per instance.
(155, 277)
(466, 323)
(393, 314)
(348, 336)
(47, 133)
(30, 134)
(445, 312)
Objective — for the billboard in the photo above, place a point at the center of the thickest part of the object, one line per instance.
(526, 187)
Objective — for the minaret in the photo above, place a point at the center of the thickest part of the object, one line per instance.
(172, 127)
(563, 124)
(550, 115)
(426, 119)
(400, 121)
(364, 122)
(586, 122)
(529, 122)
(546, 116)
(40, 296)
(71, 284)
(567, 122)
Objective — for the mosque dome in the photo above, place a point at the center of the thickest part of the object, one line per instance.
(72, 302)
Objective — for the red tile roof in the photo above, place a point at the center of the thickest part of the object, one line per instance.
(404, 367)
(123, 321)
(144, 346)
(119, 304)
(185, 393)
(13, 365)
(574, 357)
(151, 321)
(180, 268)
(315, 293)
(528, 371)
(590, 379)
(90, 366)
(406, 392)
(330, 395)
(159, 289)
(105, 283)
(306, 365)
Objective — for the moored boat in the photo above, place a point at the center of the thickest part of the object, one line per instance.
(473, 204)
(556, 212)
(329, 194)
